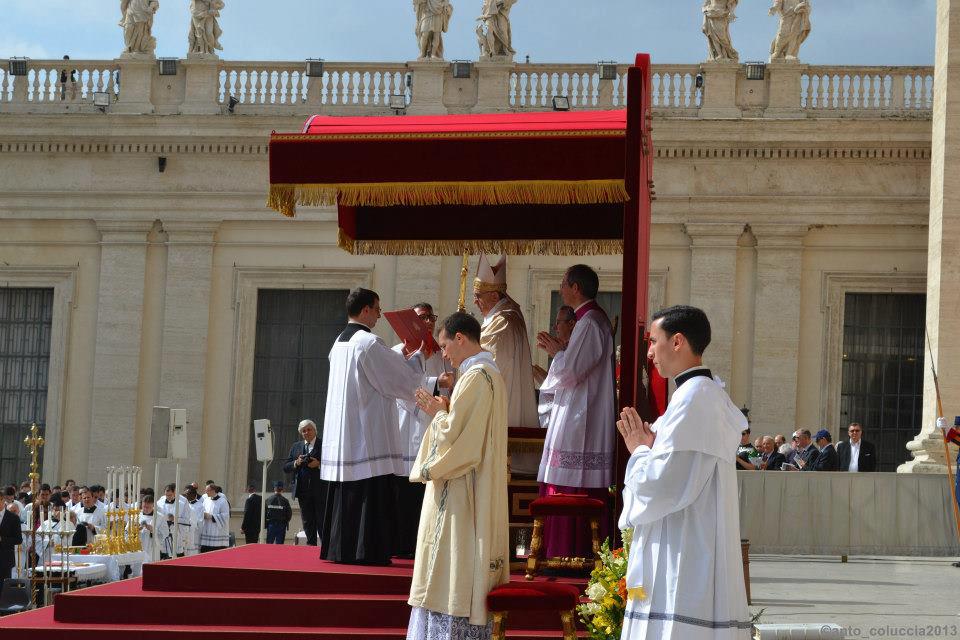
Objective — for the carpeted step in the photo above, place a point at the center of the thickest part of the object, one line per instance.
(40, 625)
(255, 568)
(126, 602)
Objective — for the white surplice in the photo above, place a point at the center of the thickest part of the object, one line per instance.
(361, 432)
(581, 428)
(196, 522)
(184, 523)
(680, 497)
(413, 421)
(97, 519)
(215, 532)
(149, 538)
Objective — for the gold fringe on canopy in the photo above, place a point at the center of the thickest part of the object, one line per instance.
(285, 197)
(475, 247)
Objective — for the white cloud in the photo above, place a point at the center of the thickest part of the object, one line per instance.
(11, 46)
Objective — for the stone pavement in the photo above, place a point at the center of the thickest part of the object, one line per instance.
(870, 597)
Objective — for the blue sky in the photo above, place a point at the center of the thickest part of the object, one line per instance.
(887, 32)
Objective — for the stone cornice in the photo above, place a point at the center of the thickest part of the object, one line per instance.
(777, 151)
(759, 150)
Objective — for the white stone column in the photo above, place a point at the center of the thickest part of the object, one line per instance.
(776, 351)
(116, 365)
(720, 90)
(713, 274)
(186, 314)
(943, 253)
(427, 89)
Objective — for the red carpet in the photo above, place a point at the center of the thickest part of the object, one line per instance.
(256, 590)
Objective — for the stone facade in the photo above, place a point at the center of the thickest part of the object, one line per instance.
(774, 198)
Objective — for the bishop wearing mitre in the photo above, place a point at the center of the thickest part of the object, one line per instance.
(504, 335)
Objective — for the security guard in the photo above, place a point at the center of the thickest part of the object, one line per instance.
(278, 515)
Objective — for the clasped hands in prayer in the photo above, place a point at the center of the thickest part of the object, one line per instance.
(431, 405)
(634, 430)
(551, 344)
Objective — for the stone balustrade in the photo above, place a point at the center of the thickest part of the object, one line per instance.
(893, 90)
(42, 86)
(533, 86)
(348, 86)
(365, 88)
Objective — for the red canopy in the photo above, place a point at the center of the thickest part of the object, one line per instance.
(570, 183)
(567, 183)
(515, 183)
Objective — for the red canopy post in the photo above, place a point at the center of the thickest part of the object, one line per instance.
(638, 178)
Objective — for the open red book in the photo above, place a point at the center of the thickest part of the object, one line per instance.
(412, 331)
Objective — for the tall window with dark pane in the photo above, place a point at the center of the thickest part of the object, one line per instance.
(609, 301)
(295, 331)
(26, 316)
(883, 360)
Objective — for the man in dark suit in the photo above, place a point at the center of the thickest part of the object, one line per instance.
(10, 537)
(806, 451)
(857, 454)
(827, 458)
(771, 459)
(250, 527)
(307, 488)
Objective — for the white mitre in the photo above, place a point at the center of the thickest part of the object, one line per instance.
(490, 278)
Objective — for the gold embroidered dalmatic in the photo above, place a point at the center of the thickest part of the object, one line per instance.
(463, 536)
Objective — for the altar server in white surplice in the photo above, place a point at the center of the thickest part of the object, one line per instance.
(361, 453)
(215, 529)
(685, 572)
(196, 520)
(581, 433)
(167, 507)
(413, 423)
(148, 536)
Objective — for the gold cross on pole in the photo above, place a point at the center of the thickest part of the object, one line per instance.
(34, 441)
(462, 306)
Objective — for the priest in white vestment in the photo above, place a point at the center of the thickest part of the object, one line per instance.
(196, 520)
(504, 335)
(215, 528)
(172, 507)
(581, 433)
(685, 573)
(413, 423)
(462, 544)
(361, 454)
(91, 518)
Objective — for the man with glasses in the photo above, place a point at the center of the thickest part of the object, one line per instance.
(413, 423)
(361, 454)
(856, 454)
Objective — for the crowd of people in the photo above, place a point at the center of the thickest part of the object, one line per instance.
(38, 518)
(806, 452)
